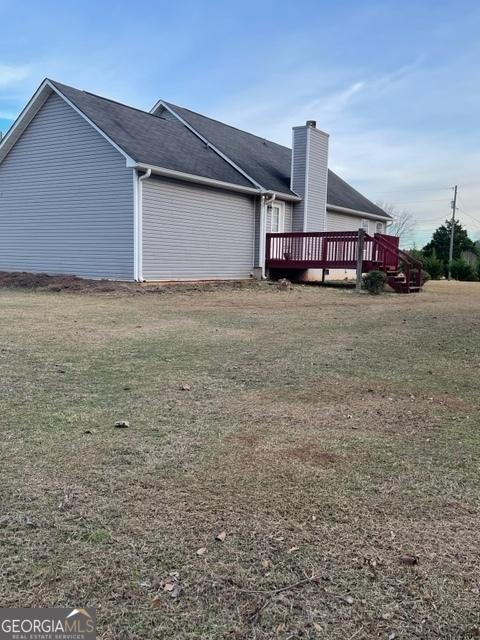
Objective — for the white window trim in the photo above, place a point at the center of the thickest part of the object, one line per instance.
(364, 225)
(281, 214)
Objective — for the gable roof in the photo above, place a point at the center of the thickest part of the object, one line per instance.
(267, 162)
(151, 139)
(188, 143)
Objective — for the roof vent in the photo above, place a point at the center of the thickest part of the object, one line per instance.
(311, 123)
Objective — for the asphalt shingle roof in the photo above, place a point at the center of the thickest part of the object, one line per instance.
(269, 163)
(151, 139)
(164, 142)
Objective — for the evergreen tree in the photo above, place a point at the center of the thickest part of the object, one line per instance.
(440, 242)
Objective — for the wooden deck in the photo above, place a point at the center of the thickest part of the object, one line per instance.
(324, 250)
(339, 250)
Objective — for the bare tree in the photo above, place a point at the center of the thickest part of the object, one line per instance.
(403, 222)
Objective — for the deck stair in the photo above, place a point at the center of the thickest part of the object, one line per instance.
(404, 273)
(339, 250)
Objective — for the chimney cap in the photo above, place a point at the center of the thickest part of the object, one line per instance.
(311, 123)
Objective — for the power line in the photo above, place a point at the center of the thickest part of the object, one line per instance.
(423, 189)
(397, 202)
(410, 190)
(418, 220)
(468, 214)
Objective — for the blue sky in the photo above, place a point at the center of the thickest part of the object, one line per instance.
(395, 83)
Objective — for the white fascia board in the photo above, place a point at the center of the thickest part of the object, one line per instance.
(156, 105)
(360, 214)
(284, 196)
(189, 177)
(129, 160)
(229, 186)
(208, 143)
(26, 116)
(33, 107)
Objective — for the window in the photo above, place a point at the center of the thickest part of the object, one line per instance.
(365, 225)
(276, 212)
(379, 227)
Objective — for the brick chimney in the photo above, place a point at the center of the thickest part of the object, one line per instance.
(309, 174)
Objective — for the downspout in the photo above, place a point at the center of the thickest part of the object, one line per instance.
(263, 229)
(139, 230)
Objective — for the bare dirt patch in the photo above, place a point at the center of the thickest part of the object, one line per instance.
(62, 282)
(247, 440)
(74, 284)
(312, 454)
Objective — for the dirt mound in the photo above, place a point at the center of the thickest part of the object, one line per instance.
(62, 282)
(71, 283)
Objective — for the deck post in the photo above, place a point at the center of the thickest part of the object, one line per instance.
(360, 245)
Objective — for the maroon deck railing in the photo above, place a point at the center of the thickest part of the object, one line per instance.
(389, 251)
(338, 249)
(316, 250)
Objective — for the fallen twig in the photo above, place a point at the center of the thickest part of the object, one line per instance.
(287, 587)
(255, 617)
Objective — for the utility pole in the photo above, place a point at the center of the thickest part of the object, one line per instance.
(452, 232)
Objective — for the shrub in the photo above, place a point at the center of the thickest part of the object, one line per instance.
(374, 281)
(425, 277)
(416, 254)
(434, 266)
(462, 270)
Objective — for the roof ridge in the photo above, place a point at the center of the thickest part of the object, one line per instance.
(225, 124)
(96, 95)
(122, 104)
(222, 154)
(171, 104)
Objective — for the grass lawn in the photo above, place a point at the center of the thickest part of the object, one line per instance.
(334, 438)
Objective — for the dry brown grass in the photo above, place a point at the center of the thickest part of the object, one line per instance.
(328, 433)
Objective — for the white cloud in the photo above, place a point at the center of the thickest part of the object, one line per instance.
(336, 102)
(385, 154)
(12, 74)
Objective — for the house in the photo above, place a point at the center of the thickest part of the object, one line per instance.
(99, 189)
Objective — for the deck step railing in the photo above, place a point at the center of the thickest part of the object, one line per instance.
(390, 252)
(339, 249)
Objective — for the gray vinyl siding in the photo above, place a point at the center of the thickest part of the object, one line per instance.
(342, 222)
(345, 222)
(288, 216)
(316, 196)
(309, 178)
(299, 167)
(66, 200)
(192, 232)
